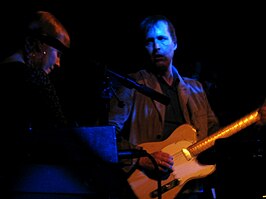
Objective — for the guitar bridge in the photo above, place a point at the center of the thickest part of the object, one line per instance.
(165, 188)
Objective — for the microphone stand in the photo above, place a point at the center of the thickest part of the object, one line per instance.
(130, 83)
(108, 92)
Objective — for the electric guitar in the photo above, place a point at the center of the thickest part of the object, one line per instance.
(182, 145)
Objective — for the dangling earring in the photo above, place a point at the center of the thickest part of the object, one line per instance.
(44, 52)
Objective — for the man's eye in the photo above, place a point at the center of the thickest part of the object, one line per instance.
(162, 38)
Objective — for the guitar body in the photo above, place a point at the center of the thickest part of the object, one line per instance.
(183, 146)
(184, 168)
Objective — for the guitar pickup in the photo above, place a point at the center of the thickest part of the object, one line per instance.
(165, 188)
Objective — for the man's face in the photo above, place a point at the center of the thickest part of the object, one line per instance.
(160, 46)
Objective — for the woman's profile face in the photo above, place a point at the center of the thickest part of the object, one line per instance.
(45, 57)
(51, 59)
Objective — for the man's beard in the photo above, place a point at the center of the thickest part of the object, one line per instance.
(160, 68)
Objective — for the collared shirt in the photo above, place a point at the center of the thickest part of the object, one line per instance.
(173, 114)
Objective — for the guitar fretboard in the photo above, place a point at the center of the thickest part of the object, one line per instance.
(227, 131)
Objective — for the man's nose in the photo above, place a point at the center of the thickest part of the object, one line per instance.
(57, 63)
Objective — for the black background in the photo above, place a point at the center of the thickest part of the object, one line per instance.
(228, 38)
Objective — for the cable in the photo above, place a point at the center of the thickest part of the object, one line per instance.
(137, 153)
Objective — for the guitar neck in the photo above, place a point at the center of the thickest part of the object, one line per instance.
(227, 131)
